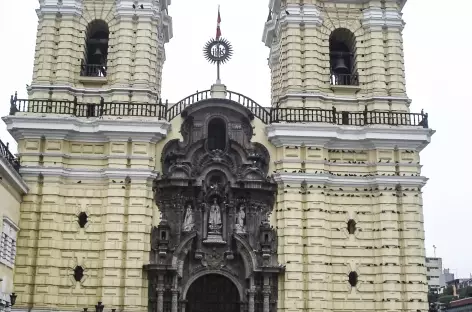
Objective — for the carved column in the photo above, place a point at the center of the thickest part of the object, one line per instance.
(160, 293)
(251, 292)
(175, 298)
(205, 221)
(160, 299)
(266, 294)
(183, 304)
(224, 219)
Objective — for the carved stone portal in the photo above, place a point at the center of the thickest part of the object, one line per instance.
(214, 249)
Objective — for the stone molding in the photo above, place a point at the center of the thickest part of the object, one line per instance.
(90, 91)
(67, 7)
(118, 173)
(12, 177)
(356, 100)
(152, 9)
(137, 129)
(335, 136)
(377, 17)
(322, 179)
(306, 14)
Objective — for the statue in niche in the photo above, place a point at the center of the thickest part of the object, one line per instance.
(214, 219)
(240, 217)
(189, 220)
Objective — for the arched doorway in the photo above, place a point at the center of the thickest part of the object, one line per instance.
(213, 293)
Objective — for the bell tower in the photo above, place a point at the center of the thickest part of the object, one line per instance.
(343, 53)
(347, 158)
(112, 49)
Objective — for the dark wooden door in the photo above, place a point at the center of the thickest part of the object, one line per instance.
(213, 293)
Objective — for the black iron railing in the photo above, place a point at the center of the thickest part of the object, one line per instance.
(266, 114)
(6, 154)
(93, 70)
(344, 79)
(67, 107)
(362, 118)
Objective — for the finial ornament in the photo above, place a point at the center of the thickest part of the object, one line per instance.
(218, 51)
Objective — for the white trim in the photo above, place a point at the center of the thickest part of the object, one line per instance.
(325, 179)
(377, 17)
(68, 7)
(308, 14)
(125, 8)
(356, 99)
(88, 157)
(9, 173)
(90, 91)
(152, 9)
(346, 164)
(137, 129)
(353, 137)
(84, 174)
(11, 223)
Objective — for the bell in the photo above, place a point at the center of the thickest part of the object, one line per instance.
(98, 52)
(340, 66)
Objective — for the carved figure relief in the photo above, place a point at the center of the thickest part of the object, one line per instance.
(240, 220)
(189, 221)
(215, 217)
(215, 197)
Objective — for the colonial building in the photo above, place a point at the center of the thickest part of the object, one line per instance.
(12, 189)
(218, 203)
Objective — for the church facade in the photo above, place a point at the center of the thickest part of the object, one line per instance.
(216, 203)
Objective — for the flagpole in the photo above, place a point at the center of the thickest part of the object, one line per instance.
(218, 80)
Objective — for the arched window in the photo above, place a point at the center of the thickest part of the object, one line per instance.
(216, 134)
(96, 50)
(342, 49)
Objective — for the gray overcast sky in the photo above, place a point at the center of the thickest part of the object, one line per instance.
(439, 79)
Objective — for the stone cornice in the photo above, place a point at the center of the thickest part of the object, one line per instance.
(151, 9)
(68, 7)
(124, 8)
(83, 174)
(12, 177)
(89, 91)
(325, 179)
(306, 14)
(346, 99)
(11, 223)
(378, 18)
(29, 125)
(354, 137)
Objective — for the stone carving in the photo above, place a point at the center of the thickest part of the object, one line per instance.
(214, 220)
(215, 204)
(189, 221)
(240, 217)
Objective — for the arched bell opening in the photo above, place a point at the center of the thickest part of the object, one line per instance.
(216, 134)
(342, 49)
(96, 50)
(213, 293)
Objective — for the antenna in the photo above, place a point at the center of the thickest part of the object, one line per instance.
(434, 246)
